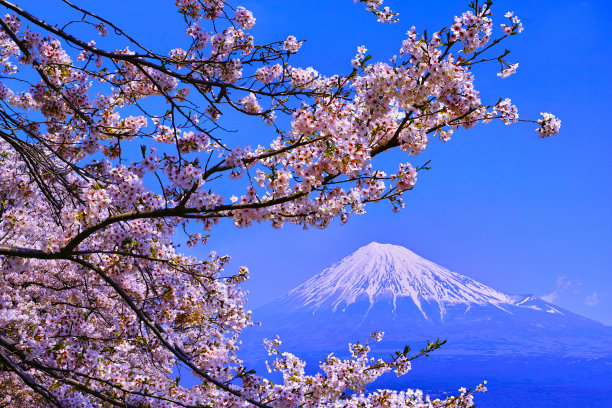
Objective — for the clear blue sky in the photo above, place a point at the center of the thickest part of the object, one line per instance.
(519, 213)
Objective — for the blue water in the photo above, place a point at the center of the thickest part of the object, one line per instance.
(514, 383)
(545, 397)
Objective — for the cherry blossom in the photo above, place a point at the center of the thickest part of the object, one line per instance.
(112, 157)
(384, 15)
(549, 125)
(291, 44)
(511, 69)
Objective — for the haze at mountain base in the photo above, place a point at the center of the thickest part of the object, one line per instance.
(383, 287)
(533, 353)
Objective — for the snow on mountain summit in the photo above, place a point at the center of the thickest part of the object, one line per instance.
(388, 288)
(384, 271)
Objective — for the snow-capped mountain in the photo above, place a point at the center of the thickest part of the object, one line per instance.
(389, 288)
(378, 272)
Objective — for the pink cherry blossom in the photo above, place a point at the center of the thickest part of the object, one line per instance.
(111, 157)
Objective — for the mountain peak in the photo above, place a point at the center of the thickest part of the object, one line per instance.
(389, 288)
(388, 272)
(378, 248)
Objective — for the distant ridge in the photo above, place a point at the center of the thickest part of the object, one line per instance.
(378, 272)
(390, 288)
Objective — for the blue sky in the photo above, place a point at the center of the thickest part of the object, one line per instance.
(519, 213)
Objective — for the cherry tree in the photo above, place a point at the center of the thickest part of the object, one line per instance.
(110, 156)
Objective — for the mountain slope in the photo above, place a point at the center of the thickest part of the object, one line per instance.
(532, 352)
(388, 288)
(379, 271)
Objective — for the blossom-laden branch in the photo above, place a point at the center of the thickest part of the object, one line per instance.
(108, 154)
(384, 15)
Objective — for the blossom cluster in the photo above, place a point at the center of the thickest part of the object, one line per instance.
(99, 180)
(384, 15)
(549, 125)
(267, 74)
(511, 69)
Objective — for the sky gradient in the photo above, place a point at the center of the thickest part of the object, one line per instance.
(518, 213)
(515, 212)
